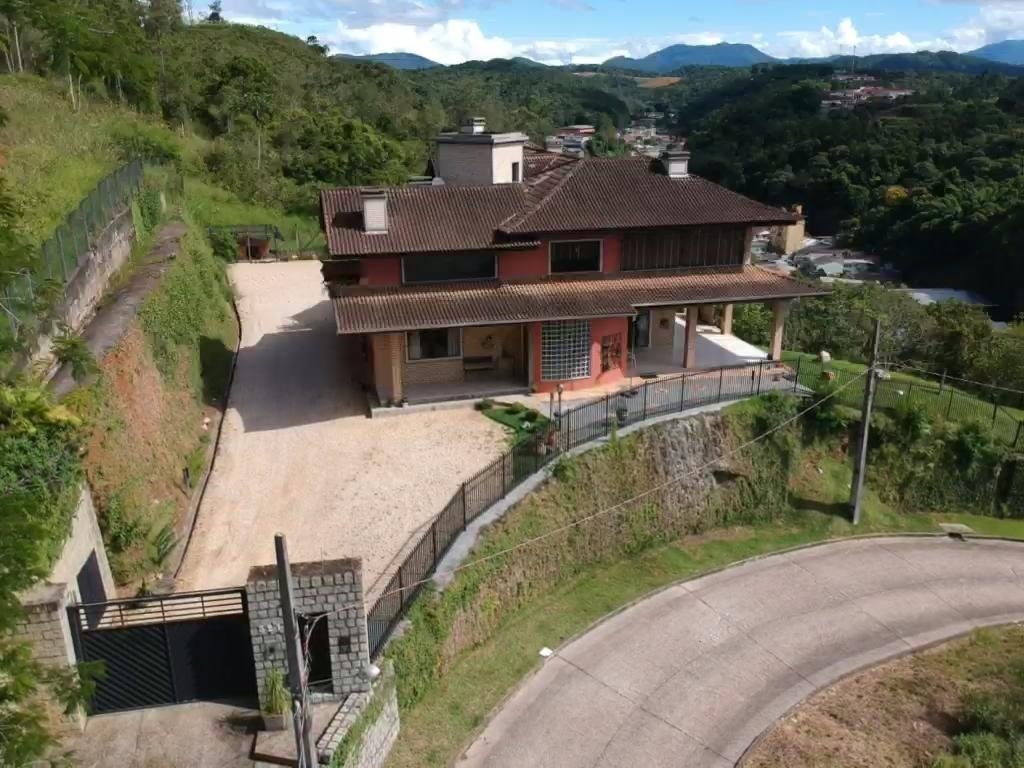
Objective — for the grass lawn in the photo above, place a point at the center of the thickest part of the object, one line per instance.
(905, 712)
(521, 420)
(952, 404)
(436, 729)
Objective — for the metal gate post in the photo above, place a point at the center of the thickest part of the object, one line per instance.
(721, 378)
(796, 378)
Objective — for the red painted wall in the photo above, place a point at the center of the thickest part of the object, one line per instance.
(386, 270)
(602, 326)
(519, 264)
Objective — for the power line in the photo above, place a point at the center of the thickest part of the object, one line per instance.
(957, 378)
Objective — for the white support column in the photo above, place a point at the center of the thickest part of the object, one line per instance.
(726, 319)
(690, 342)
(779, 311)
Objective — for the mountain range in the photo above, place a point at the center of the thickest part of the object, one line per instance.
(1005, 57)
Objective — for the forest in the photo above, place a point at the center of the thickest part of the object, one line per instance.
(933, 183)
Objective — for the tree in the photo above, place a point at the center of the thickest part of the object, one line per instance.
(215, 16)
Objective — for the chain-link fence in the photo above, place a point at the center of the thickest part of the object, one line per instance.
(23, 297)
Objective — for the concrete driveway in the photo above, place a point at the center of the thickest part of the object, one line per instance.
(693, 675)
(299, 456)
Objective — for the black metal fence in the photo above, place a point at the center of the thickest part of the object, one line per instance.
(69, 247)
(575, 426)
(940, 401)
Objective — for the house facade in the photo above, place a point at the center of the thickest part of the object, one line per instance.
(527, 270)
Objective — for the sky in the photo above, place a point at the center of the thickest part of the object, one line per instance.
(589, 31)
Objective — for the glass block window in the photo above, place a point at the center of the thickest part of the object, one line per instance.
(565, 350)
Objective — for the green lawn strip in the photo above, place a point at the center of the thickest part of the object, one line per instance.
(516, 420)
(436, 728)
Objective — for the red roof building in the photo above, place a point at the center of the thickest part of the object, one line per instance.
(532, 269)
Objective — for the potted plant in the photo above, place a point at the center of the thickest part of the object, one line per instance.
(277, 702)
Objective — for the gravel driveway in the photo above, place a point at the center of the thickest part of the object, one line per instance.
(298, 455)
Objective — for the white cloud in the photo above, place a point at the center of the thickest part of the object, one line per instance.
(456, 40)
(845, 38)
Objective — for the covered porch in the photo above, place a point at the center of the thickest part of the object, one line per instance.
(670, 340)
(448, 364)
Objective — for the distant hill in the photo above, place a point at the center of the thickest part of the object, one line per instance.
(397, 59)
(675, 56)
(941, 61)
(1007, 52)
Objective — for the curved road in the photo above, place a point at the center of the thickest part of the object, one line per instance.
(694, 674)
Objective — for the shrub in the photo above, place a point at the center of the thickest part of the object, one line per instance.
(224, 244)
(276, 698)
(484, 405)
(149, 142)
(515, 408)
(150, 207)
(531, 416)
(70, 349)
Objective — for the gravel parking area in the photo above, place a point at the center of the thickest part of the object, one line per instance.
(298, 455)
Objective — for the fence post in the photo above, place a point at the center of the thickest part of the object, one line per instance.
(433, 542)
(607, 406)
(682, 394)
(910, 393)
(796, 379)
(645, 401)
(949, 408)
(721, 379)
(760, 373)
(1020, 430)
(995, 408)
(504, 479)
(462, 491)
(401, 588)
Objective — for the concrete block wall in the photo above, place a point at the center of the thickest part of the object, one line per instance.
(332, 587)
(376, 738)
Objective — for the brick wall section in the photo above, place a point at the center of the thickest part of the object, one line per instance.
(433, 371)
(333, 587)
(388, 350)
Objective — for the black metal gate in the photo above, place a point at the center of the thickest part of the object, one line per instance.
(169, 649)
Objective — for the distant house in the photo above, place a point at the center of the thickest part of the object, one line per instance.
(576, 130)
(534, 270)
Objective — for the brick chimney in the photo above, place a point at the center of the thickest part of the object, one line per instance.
(374, 202)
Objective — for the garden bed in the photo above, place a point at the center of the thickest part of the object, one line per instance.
(523, 421)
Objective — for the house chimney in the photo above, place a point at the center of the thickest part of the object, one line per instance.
(374, 202)
(474, 126)
(676, 162)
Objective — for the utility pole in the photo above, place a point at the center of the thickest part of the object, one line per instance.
(305, 753)
(861, 455)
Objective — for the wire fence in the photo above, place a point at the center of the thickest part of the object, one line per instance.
(574, 427)
(70, 246)
(939, 401)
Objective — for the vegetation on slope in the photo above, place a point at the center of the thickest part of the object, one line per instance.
(963, 698)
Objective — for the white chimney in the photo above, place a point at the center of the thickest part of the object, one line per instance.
(374, 202)
(474, 126)
(676, 163)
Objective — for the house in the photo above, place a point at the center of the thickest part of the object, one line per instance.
(528, 270)
(787, 239)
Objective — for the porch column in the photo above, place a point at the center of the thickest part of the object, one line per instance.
(690, 340)
(387, 366)
(726, 327)
(779, 311)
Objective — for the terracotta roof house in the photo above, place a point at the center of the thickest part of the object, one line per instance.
(527, 270)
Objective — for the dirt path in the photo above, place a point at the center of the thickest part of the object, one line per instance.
(299, 456)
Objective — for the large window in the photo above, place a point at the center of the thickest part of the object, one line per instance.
(434, 344)
(576, 256)
(565, 350)
(442, 267)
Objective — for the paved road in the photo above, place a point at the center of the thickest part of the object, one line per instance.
(298, 454)
(693, 675)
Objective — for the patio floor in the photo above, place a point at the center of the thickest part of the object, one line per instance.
(714, 350)
(478, 387)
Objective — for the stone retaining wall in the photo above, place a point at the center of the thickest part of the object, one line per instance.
(365, 727)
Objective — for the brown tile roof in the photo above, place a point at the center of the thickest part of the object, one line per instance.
(422, 219)
(367, 309)
(630, 192)
(560, 194)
